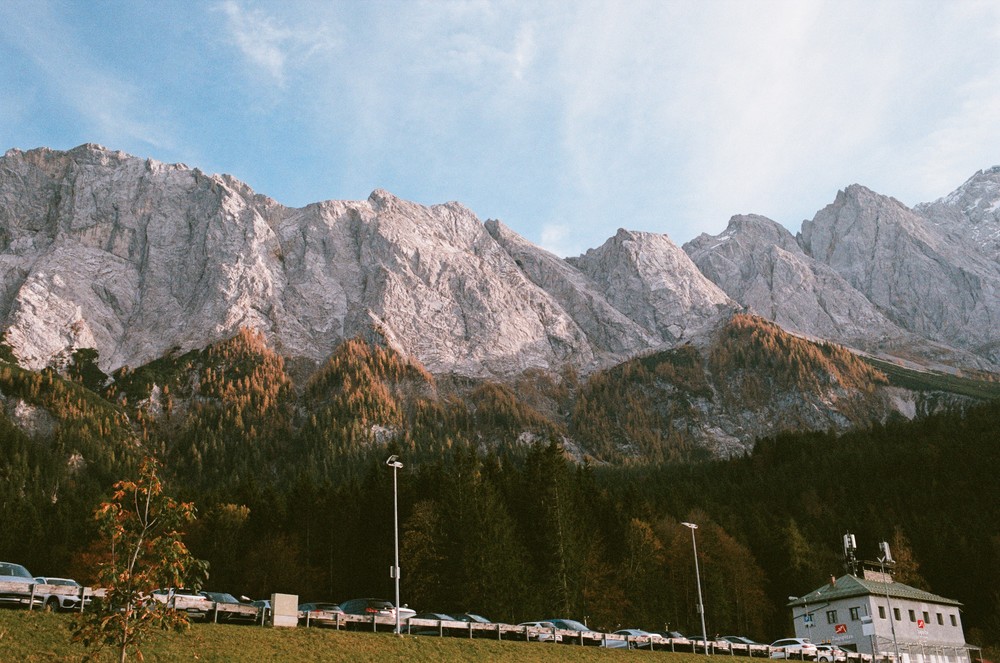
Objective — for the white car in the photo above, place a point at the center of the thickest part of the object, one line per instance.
(797, 648)
(184, 600)
(830, 653)
(60, 601)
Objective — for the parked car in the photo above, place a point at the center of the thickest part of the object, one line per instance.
(15, 574)
(739, 640)
(479, 619)
(376, 608)
(369, 607)
(634, 633)
(671, 635)
(543, 636)
(184, 600)
(263, 608)
(319, 613)
(800, 648)
(61, 601)
(433, 630)
(226, 598)
(579, 627)
(698, 642)
(830, 653)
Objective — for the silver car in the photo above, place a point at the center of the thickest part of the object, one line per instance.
(15, 585)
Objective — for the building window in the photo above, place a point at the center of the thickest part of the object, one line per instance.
(913, 616)
(940, 619)
(927, 618)
(881, 612)
(854, 614)
(954, 622)
(831, 616)
(895, 613)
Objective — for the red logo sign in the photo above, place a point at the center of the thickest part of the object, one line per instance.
(840, 628)
(920, 623)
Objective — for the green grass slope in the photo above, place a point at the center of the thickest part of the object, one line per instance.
(901, 376)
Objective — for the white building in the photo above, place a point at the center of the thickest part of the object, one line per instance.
(875, 615)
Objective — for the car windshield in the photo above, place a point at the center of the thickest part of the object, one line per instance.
(220, 597)
(570, 625)
(15, 570)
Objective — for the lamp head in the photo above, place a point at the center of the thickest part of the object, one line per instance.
(691, 525)
(393, 461)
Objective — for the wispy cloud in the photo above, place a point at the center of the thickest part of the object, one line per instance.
(269, 44)
(112, 109)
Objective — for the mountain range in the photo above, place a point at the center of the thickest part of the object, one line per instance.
(138, 260)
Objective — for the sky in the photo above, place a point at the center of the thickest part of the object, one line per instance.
(564, 119)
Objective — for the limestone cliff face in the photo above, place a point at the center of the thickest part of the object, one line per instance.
(652, 281)
(931, 282)
(871, 273)
(971, 213)
(135, 258)
(759, 264)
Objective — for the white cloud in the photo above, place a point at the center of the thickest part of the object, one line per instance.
(269, 45)
(113, 108)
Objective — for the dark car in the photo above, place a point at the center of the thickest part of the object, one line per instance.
(320, 613)
(376, 608)
(368, 607)
(432, 629)
(595, 637)
(739, 640)
(224, 599)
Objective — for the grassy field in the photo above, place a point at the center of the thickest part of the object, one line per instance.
(909, 378)
(39, 636)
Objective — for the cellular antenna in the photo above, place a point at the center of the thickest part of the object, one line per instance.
(850, 557)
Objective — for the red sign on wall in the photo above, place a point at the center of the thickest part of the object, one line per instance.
(842, 628)
(920, 623)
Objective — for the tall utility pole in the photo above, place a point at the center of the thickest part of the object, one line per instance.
(393, 462)
(887, 558)
(697, 573)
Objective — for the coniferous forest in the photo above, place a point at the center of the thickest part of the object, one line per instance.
(499, 514)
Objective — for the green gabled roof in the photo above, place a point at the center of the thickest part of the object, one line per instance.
(849, 586)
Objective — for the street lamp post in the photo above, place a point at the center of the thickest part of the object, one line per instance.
(892, 622)
(393, 462)
(697, 573)
(806, 616)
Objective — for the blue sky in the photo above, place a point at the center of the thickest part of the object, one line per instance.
(566, 120)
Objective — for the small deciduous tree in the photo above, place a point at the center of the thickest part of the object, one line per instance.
(141, 528)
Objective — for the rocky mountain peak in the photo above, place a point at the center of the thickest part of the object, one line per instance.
(971, 212)
(653, 281)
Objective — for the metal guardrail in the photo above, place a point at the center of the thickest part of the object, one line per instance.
(29, 594)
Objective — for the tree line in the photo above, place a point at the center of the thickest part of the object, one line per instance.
(497, 515)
